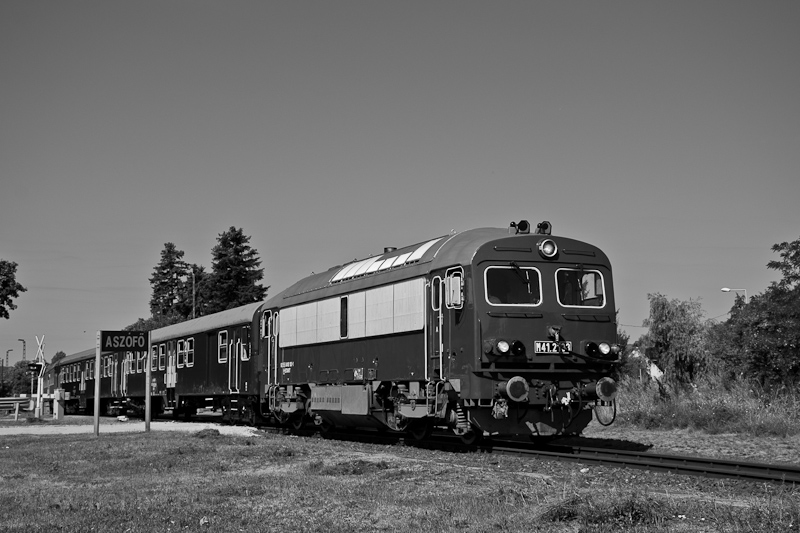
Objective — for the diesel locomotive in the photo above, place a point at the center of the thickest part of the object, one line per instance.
(484, 332)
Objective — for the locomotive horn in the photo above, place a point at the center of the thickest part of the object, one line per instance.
(544, 228)
(523, 226)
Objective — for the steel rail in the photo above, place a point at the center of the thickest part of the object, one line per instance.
(679, 464)
(696, 466)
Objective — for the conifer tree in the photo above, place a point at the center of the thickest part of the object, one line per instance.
(167, 282)
(234, 276)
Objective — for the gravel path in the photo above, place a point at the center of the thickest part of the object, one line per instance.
(85, 425)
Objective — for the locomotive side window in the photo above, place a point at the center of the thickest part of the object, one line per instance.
(343, 317)
(513, 285)
(454, 288)
(436, 293)
(580, 288)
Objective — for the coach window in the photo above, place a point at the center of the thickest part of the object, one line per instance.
(189, 352)
(222, 354)
(245, 342)
(580, 288)
(512, 285)
(181, 353)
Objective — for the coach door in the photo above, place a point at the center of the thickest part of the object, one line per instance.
(123, 376)
(234, 361)
(171, 372)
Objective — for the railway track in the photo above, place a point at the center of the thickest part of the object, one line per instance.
(678, 464)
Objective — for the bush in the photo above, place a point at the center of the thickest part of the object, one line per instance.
(712, 404)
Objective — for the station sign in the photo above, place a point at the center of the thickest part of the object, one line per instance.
(112, 341)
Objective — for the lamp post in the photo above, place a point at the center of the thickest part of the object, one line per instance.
(193, 293)
(726, 289)
(3, 378)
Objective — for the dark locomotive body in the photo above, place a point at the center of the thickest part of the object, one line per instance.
(481, 333)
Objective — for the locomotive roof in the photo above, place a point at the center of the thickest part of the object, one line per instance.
(390, 266)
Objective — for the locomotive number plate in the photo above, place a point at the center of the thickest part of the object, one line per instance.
(552, 347)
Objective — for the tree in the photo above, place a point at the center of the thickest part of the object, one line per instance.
(675, 339)
(761, 339)
(58, 357)
(234, 276)
(193, 300)
(167, 281)
(9, 287)
(789, 265)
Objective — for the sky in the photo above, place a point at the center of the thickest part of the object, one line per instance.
(666, 133)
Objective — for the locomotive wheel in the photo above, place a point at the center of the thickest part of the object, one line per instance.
(298, 422)
(471, 438)
(420, 431)
(326, 428)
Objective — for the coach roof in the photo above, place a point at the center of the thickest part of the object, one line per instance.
(223, 319)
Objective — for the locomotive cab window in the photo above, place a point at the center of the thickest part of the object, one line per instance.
(580, 288)
(513, 285)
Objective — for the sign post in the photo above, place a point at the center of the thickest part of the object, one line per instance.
(117, 341)
(147, 387)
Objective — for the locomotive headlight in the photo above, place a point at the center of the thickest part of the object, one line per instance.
(503, 347)
(604, 348)
(548, 248)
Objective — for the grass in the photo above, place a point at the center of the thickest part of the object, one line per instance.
(713, 405)
(165, 481)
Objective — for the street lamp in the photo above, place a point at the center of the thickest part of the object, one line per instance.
(726, 289)
(3, 378)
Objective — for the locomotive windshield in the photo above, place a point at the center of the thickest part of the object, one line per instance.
(580, 288)
(513, 285)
